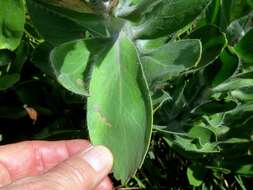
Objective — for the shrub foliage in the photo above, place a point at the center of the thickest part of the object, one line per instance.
(167, 85)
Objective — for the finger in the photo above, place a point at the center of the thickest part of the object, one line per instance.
(35, 157)
(83, 171)
(106, 184)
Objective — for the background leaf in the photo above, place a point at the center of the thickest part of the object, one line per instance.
(244, 48)
(167, 16)
(69, 62)
(12, 20)
(171, 59)
(213, 42)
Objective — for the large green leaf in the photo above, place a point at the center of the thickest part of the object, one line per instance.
(164, 17)
(119, 108)
(171, 59)
(12, 20)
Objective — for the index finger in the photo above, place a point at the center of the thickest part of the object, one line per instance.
(32, 158)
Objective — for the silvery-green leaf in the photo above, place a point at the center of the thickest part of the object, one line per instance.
(119, 108)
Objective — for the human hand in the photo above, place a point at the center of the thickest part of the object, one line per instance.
(59, 165)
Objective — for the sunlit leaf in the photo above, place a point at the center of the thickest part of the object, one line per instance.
(171, 59)
(119, 108)
(70, 63)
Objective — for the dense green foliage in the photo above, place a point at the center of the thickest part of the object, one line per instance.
(121, 71)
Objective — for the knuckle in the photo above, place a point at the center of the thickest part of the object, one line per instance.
(69, 175)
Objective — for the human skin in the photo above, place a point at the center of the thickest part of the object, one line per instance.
(55, 165)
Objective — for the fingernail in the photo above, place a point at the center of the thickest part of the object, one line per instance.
(99, 157)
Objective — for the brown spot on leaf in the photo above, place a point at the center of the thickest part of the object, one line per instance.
(101, 116)
(32, 113)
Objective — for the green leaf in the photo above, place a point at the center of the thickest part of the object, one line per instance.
(223, 12)
(238, 28)
(167, 16)
(244, 92)
(245, 48)
(171, 59)
(75, 5)
(192, 145)
(229, 66)
(53, 27)
(12, 20)
(133, 9)
(119, 108)
(58, 25)
(69, 62)
(233, 84)
(204, 134)
(190, 148)
(239, 116)
(7, 81)
(147, 45)
(213, 42)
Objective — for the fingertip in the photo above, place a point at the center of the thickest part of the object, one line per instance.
(106, 184)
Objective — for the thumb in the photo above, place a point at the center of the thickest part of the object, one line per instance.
(84, 171)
